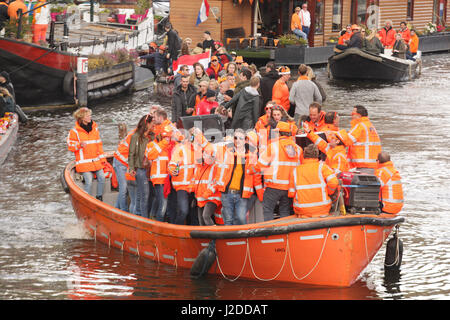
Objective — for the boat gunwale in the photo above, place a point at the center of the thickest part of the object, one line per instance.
(283, 225)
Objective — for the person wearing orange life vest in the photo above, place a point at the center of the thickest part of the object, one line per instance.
(331, 122)
(208, 199)
(182, 168)
(84, 140)
(233, 181)
(343, 39)
(391, 192)
(311, 185)
(14, 7)
(214, 68)
(362, 140)
(316, 119)
(157, 151)
(120, 165)
(276, 164)
(279, 115)
(257, 192)
(387, 35)
(334, 149)
(41, 20)
(280, 90)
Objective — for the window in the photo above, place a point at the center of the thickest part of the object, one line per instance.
(319, 17)
(410, 10)
(364, 12)
(337, 16)
(439, 11)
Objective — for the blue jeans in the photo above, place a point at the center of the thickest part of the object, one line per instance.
(89, 176)
(132, 190)
(305, 30)
(300, 34)
(234, 209)
(158, 201)
(142, 192)
(184, 200)
(120, 170)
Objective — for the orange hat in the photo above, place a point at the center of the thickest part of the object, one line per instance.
(239, 59)
(166, 132)
(253, 137)
(162, 47)
(283, 126)
(153, 45)
(214, 58)
(284, 70)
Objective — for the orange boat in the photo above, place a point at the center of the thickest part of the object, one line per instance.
(325, 251)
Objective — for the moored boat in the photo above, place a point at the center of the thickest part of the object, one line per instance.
(356, 64)
(9, 125)
(331, 250)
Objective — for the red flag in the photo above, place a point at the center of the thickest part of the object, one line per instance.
(203, 58)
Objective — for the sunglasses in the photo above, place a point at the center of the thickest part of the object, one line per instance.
(238, 62)
(240, 138)
(268, 108)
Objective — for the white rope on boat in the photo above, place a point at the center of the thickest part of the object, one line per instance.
(365, 243)
(220, 269)
(253, 271)
(318, 260)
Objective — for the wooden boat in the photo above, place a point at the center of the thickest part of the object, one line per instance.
(325, 251)
(8, 139)
(355, 64)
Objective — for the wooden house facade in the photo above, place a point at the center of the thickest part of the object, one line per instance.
(271, 18)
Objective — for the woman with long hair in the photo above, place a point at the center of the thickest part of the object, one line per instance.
(198, 75)
(137, 164)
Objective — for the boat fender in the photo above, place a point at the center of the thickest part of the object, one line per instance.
(68, 84)
(22, 116)
(64, 182)
(128, 83)
(204, 260)
(394, 253)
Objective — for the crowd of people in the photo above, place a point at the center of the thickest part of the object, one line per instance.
(404, 43)
(178, 176)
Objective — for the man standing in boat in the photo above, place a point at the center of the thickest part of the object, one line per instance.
(311, 185)
(387, 35)
(362, 140)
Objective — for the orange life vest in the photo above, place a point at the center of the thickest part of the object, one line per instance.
(91, 157)
(336, 157)
(121, 154)
(182, 159)
(277, 162)
(363, 143)
(391, 193)
(310, 185)
(158, 154)
(316, 126)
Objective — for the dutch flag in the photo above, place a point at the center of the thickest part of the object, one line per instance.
(203, 13)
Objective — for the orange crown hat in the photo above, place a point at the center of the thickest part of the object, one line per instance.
(253, 137)
(283, 126)
(284, 70)
(239, 59)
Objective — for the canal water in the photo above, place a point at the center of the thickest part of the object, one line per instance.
(46, 254)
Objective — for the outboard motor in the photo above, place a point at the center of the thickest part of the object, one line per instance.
(361, 192)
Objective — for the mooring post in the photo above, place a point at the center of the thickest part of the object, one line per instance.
(82, 89)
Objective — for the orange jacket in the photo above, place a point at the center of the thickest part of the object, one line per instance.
(280, 94)
(14, 7)
(204, 179)
(182, 160)
(336, 157)
(310, 185)
(387, 37)
(317, 126)
(158, 154)
(296, 23)
(363, 143)
(277, 162)
(345, 37)
(406, 35)
(225, 169)
(391, 193)
(91, 157)
(121, 154)
(414, 44)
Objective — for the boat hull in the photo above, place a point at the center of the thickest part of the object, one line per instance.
(38, 73)
(358, 65)
(8, 139)
(330, 251)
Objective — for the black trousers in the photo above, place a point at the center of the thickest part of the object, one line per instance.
(270, 200)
